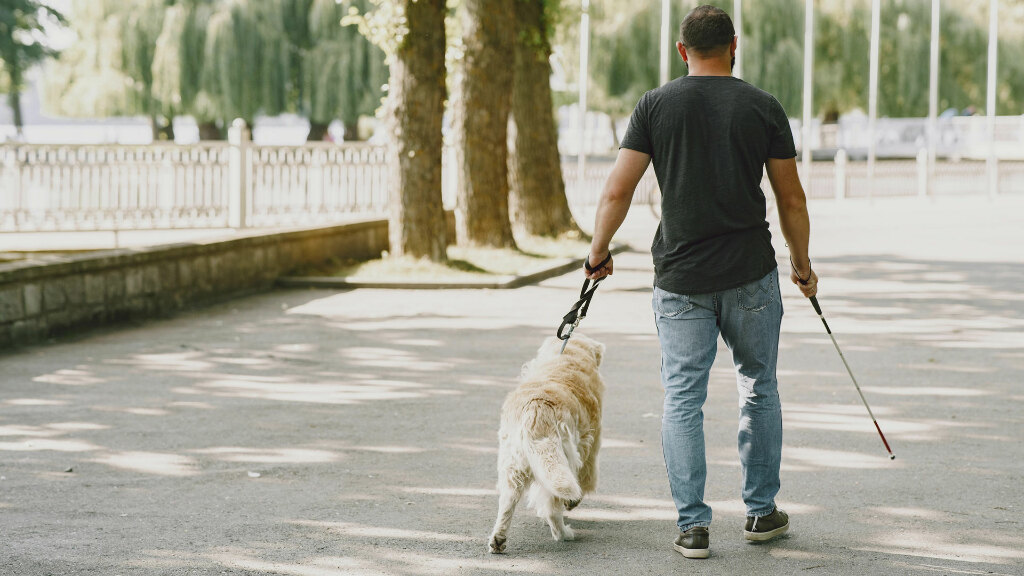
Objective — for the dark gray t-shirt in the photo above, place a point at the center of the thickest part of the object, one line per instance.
(709, 138)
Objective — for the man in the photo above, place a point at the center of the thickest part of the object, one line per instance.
(709, 135)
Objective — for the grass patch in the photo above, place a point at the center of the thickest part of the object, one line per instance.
(464, 263)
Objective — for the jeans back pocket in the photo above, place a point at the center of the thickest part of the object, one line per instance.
(669, 304)
(757, 295)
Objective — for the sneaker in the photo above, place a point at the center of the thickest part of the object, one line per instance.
(693, 543)
(765, 528)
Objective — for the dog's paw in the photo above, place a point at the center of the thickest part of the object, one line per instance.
(570, 504)
(567, 533)
(497, 544)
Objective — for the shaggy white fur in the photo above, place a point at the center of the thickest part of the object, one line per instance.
(550, 435)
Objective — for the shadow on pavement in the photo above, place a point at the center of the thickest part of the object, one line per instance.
(315, 433)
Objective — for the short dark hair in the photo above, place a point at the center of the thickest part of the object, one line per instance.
(706, 28)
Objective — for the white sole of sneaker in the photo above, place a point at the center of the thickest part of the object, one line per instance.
(692, 553)
(765, 536)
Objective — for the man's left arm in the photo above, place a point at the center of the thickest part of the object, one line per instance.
(629, 168)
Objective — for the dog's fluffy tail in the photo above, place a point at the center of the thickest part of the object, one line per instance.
(547, 457)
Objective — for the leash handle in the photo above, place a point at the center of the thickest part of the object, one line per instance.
(586, 263)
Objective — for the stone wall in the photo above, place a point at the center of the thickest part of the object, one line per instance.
(46, 298)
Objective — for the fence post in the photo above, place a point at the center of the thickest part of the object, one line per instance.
(238, 174)
(840, 174)
(922, 172)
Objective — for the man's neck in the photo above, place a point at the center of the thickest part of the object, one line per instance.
(709, 71)
(712, 67)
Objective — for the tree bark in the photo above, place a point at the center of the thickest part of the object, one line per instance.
(481, 118)
(317, 131)
(537, 201)
(417, 225)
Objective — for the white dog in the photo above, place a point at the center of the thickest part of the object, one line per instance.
(550, 435)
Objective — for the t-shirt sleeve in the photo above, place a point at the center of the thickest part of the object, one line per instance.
(781, 143)
(638, 134)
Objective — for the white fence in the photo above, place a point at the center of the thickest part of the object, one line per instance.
(114, 187)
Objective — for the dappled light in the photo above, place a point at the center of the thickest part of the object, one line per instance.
(356, 433)
(271, 456)
(965, 549)
(151, 463)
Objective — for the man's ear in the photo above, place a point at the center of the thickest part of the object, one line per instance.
(732, 49)
(682, 51)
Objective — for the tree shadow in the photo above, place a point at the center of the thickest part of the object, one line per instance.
(322, 433)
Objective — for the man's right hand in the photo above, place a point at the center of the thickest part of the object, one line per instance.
(593, 260)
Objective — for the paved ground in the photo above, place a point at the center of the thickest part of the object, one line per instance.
(316, 433)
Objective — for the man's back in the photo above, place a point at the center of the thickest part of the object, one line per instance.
(709, 138)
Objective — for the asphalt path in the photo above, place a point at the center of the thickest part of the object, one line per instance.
(322, 433)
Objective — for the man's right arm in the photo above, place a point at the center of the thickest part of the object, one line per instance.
(796, 225)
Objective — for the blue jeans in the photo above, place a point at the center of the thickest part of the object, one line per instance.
(749, 319)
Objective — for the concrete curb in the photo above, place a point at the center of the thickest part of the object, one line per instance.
(562, 266)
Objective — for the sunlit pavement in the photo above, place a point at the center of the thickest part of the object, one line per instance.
(318, 433)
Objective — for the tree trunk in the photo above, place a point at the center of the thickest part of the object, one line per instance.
(209, 131)
(537, 201)
(481, 116)
(14, 94)
(417, 225)
(14, 98)
(351, 131)
(161, 132)
(317, 131)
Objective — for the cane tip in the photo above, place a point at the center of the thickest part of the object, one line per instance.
(892, 456)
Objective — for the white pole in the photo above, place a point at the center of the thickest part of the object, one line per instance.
(737, 20)
(876, 10)
(990, 105)
(805, 138)
(584, 77)
(666, 40)
(933, 95)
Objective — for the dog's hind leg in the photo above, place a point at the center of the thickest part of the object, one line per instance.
(588, 473)
(511, 485)
(550, 507)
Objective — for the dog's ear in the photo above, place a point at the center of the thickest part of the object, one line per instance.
(598, 352)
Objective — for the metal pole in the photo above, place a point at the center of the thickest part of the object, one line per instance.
(737, 18)
(933, 97)
(805, 138)
(876, 10)
(666, 16)
(584, 78)
(990, 106)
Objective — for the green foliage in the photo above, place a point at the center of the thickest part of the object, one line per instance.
(22, 26)
(625, 53)
(217, 60)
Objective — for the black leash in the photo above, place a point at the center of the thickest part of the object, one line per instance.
(579, 309)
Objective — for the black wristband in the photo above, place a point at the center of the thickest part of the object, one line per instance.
(810, 271)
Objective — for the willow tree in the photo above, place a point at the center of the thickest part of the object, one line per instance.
(412, 34)
(21, 22)
(88, 80)
(482, 107)
(109, 71)
(246, 64)
(537, 202)
(341, 74)
(178, 65)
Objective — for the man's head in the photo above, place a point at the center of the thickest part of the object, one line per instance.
(707, 33)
